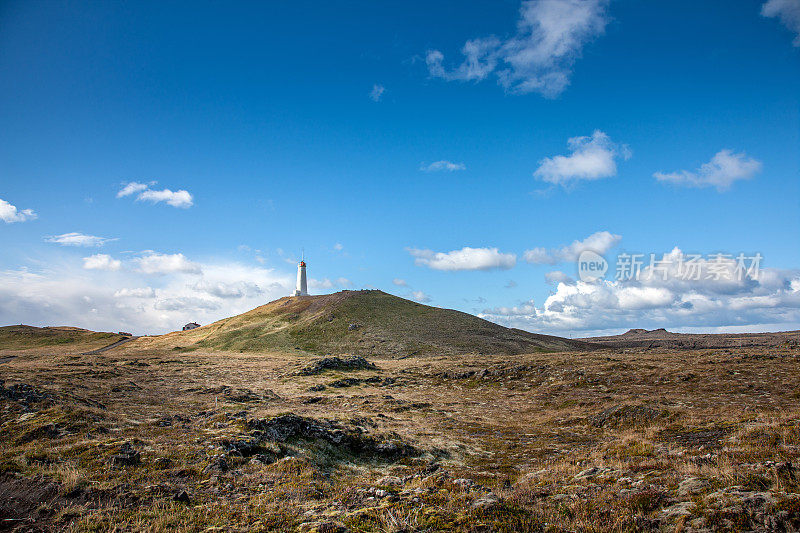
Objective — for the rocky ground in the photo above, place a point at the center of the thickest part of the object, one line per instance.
(610, 440)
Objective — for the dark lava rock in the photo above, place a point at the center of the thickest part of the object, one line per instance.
(242, 447)
(346, 382)
(284, 427)
(317, 388)
(46, 431)
(695, 437)
(163, 462)
(431, 468)
(181, 496)
(290, 427)
(218, 465)
(337, 363)
(452, 374)
(167, 420)
(242, 395)
(313, 399)
(624, 415)
(126, 456)
(245, 395)
(23, 393)
(264, 458)
(374, 380)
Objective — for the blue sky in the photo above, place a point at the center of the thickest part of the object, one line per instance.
(362, 132)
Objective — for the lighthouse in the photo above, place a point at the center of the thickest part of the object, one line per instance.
(302, 285)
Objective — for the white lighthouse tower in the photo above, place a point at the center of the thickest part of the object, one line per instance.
(302, 284)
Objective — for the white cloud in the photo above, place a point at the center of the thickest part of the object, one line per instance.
(400, 282)
(480, 59)
(420, 296)
(770, 301)
(155, 263)
(592, 158)
(338, 247)
(78, 239)
(556, 276)
(725, 168)
(328, 284)
(187, 302)
(377, 92)
(142, 292)
(788, 11)
(10, 214)
(101, 262)
(464, 259)
(320, 284)
(600, 242)
(129, 300)
(131, 188)
(437, 166)
(539, 56)
(221, 289)
(180, 198)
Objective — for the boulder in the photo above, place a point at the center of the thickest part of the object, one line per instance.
(126, 456)
(337, 363)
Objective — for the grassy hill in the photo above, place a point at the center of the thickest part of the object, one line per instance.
(359, 322)
(28, 337)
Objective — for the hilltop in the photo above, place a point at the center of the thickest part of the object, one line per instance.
(22, 337)
(359, 322)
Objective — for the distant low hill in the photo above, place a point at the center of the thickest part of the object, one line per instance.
(23, 337)
(359, 322)
(661, 338)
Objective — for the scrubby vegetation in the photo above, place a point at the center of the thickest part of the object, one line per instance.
(359, 322)
(610, 440)
(29, 337)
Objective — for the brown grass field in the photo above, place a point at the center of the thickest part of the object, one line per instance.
(616, 439)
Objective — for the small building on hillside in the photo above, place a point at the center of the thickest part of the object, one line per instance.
(191, 325)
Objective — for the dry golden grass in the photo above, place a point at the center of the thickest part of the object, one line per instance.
(365, 322)
(716, 430)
